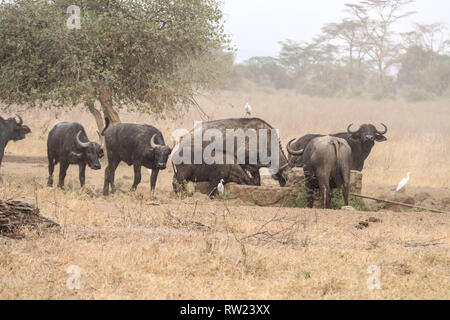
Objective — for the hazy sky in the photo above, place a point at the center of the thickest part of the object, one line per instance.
(256, 26)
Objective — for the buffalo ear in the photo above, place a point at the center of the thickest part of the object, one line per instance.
(355, 136)
(26, 129)
(380, 138)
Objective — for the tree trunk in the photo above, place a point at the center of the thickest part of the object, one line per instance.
(383, 82)
(107, 104)
(97, 115)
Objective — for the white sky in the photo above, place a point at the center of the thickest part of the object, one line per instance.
(256, 26)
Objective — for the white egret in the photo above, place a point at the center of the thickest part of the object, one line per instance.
(149, 171)
(404, 182)
(248, 109)
(220, 186)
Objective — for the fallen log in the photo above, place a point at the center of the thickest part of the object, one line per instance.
(15, 214)
(399, 203)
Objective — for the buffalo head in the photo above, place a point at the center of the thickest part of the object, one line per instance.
(368, 134)
(90, 151)
(160, 153)
(282, 175)
(18, 130)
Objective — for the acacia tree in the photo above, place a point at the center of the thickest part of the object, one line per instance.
(350, 36)
(377, 18)
(433, 37)
(150, 56)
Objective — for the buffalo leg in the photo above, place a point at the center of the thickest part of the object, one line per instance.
(256, 177)
(153, 179)
(345, 191)
(309, 194)
(109, 177)
(137, 176)
(63, 166)
(82, 173)
(324, 183)
(106, 183)
(212, 188)
(2, 152)
(176, 185)
(51, 169)
(112, 176)
(309, 187)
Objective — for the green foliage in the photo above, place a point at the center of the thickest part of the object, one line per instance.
(337, 200)
(382, 206)
(299, 201)
(303, 274)
(153, 54)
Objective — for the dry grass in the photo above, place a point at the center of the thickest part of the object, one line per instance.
(129, 246)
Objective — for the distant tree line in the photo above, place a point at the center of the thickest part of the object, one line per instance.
(361, 55)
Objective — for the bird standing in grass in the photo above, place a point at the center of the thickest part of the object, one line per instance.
(248, 109)
(220, 187)
(404, 182)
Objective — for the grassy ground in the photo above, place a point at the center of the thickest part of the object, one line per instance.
(146, 246)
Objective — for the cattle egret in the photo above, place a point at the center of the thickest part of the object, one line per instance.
(220, 187)
(149, 171)
(248, 109)
(404, 182)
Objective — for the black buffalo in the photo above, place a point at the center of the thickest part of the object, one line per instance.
(246, 125)
(326, 162)
(11, 129)
(211, 173)
(361, 142)
(68, 144)
(137, 145)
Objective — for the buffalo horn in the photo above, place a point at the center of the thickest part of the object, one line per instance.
(81, 144)
(153, 143)
(19, 120)
(349, 129)
(385, 129)
(293, 152)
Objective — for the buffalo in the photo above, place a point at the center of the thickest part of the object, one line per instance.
(68, 144)
(326, 163)
(211, 173)
(11, 129)
(361, 142)
(246, 125)
(137, 145)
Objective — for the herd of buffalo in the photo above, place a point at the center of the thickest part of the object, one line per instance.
(326, 159)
